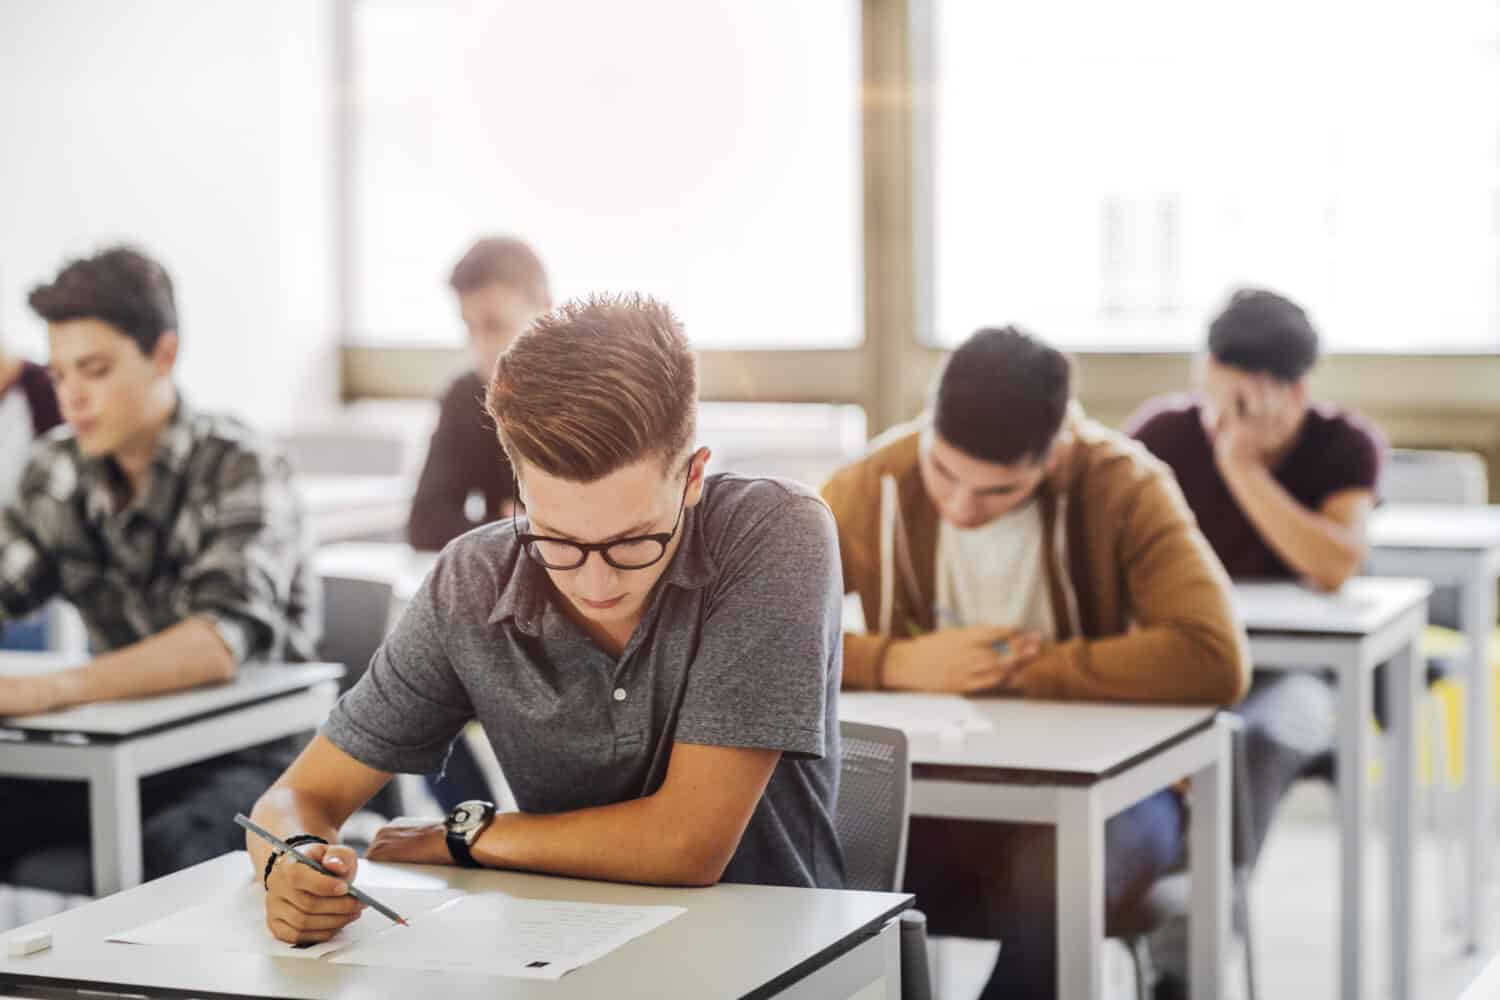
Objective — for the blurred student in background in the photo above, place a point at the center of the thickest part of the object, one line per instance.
(1282, 487)
(467, 481)
(1007, 544)
(28, 409)
(176, 534)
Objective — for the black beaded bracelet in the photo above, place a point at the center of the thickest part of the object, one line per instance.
(301, 838)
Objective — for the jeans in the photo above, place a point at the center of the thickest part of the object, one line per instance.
(999, 880)
(1289, 724)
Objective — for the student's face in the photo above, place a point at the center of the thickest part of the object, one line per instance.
(494, 316)
(110, 392)
(640, 499)
(1271, 404)
(969, 492)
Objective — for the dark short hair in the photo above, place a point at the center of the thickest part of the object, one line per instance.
(1002, 396)
(502, 260)
(1260, 331)
(120, 286)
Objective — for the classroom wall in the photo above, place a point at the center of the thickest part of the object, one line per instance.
(211, 149)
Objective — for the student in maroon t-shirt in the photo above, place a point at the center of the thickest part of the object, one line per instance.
(1282, 488)
(28, 409)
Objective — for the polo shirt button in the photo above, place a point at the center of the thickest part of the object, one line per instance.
(619, 694)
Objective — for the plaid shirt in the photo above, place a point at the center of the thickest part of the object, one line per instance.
(216, 532)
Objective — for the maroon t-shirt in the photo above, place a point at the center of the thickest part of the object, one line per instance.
(1335, 450)
(41, 399)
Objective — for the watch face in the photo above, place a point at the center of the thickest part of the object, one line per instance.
(467, 817)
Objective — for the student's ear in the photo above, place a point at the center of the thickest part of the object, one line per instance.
(164, 354)
(697, 470)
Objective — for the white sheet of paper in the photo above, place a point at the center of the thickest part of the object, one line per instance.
(238, 923)
(914, 714)
(499, 935)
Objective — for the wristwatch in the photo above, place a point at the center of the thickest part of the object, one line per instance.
(464, 825)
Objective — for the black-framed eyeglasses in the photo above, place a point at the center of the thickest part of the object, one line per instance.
(635, 552)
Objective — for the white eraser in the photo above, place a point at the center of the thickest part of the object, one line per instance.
(28, 944)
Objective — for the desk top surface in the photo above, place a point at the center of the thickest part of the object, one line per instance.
(1086, 739)
(1362, 606)
(1440, 526)
(734, 940)
(332, 493)
(253, 682)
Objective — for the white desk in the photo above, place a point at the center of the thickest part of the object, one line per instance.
(113, 745)
(1487, 986)
(1369, 622)
(1074, 765)
(1457, 546)
(349, 507)
(733, 941)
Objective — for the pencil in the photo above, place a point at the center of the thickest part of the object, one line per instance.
(283, 847)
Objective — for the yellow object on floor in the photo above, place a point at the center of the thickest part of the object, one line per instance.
(1450, 695)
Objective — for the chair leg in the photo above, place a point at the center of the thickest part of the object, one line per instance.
(1448, 795)
(1140, 958)
(1247, 933)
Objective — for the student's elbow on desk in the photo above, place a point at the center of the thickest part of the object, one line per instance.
(699, 856)
(1334, 572)
(1222, 662)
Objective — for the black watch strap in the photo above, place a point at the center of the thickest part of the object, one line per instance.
(297, 841)
(459, 848)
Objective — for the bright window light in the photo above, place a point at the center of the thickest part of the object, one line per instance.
(705, 151)
(1107, 172)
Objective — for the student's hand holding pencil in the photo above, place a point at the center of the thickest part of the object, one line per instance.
(966, 660)
(305, 907)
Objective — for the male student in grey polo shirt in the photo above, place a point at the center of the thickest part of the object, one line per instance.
(654, 653)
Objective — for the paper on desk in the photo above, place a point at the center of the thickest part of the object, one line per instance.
(499, 935)
(238, 923)
(914, 714)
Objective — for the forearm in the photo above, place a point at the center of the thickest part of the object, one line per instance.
(628, 841)
(1173, 664)
(189, 654)
(1314, 545)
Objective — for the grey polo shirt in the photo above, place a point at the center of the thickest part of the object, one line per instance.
(740, 646)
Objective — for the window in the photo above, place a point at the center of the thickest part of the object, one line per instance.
(705, 151)
(1107, 172)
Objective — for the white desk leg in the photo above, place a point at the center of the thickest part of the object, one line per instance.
(115, 821)
(1403, 689)
(1354, 720)
(1477, 612)
(1209, 863)
(1080, 895)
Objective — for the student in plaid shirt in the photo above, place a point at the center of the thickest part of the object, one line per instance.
(179, 539)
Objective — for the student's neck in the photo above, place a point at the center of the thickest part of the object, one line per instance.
(611, 638)
(135, 455)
